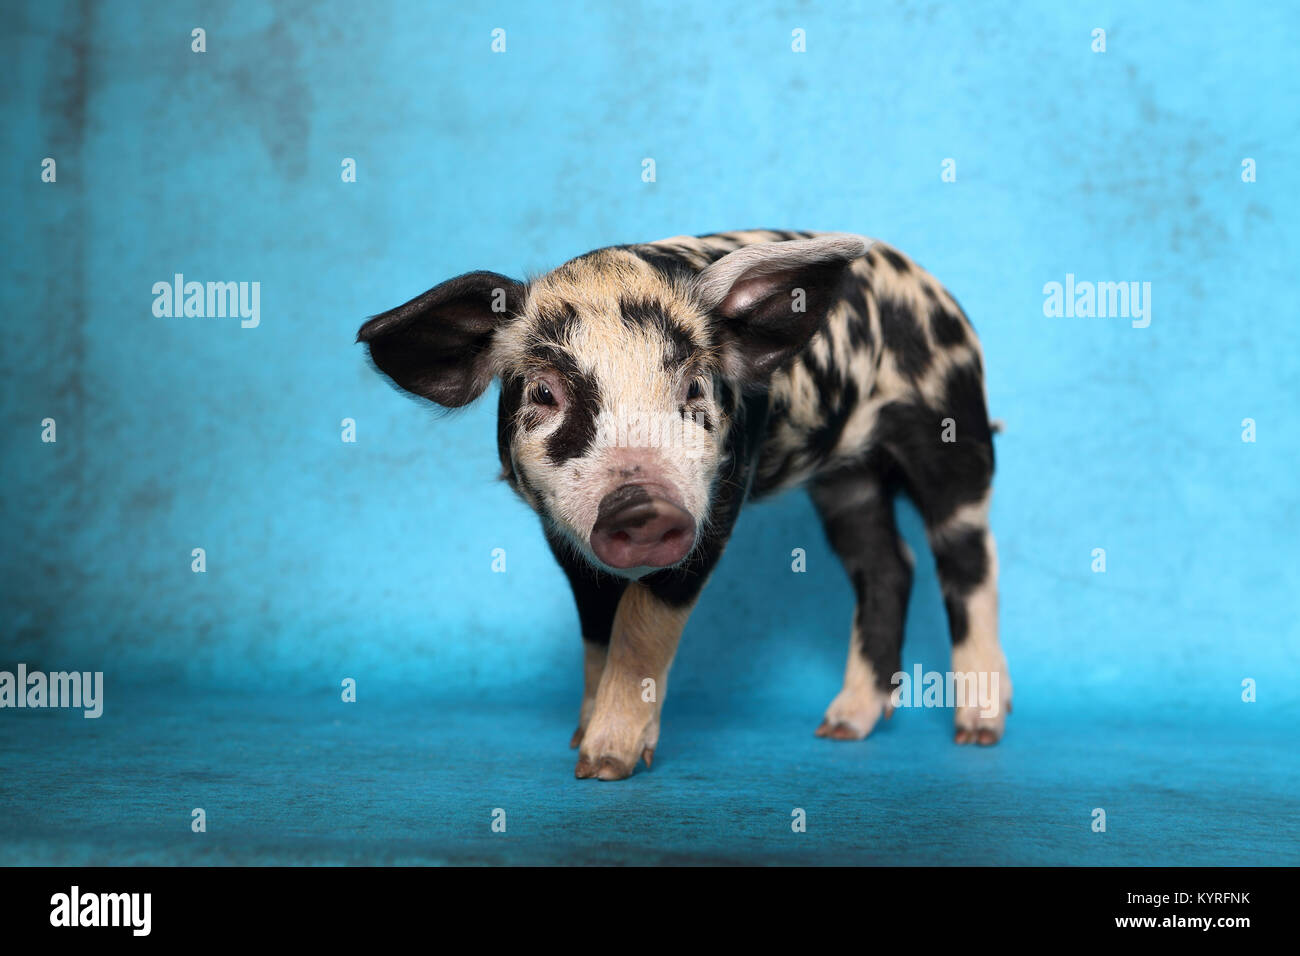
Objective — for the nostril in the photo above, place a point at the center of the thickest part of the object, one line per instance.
(637, 529)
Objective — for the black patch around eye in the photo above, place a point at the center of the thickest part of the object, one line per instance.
(577, 431)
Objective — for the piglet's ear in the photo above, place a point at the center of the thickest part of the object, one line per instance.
(768, 299)
(438, 345)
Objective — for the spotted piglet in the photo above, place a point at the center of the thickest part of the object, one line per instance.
(648, 391)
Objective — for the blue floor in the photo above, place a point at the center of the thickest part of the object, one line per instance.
(1146, 504)
(296, 781)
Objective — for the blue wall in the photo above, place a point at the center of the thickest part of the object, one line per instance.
(373, 560)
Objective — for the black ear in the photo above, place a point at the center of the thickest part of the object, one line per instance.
(438, 344)
(768, 299)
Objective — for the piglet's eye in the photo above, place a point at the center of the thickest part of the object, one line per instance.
(541, 394)
(695, 390)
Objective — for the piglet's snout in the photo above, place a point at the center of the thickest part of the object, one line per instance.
(640, 526)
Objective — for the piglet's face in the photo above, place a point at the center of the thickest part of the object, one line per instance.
(612, 417)
(618, 383)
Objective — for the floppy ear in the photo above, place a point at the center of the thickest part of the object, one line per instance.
(768, 299)
(437, 345)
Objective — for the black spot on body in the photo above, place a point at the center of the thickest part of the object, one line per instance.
(648, 314)
(780, 456)
(903, 337)
(860, 529)
(963, 564)
(941, 476)
(900, 264)
(820, 365)
(672, 265)
(556, 323)
(958, 619)
(714, 246)
(946, 328)
(962, 561)
(596, 593)
(858, 320)
(824, 438)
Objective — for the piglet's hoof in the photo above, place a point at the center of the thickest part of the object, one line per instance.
(603, 768)
(839, 731)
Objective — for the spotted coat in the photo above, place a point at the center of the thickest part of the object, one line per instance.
(871, 385)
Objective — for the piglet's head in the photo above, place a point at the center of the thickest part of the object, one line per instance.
(619, 379)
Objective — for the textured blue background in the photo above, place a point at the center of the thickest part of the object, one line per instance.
(373, 560)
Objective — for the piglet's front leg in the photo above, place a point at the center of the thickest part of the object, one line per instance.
(624, 724)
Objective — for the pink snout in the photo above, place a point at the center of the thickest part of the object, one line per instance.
(638, 526)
